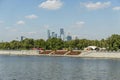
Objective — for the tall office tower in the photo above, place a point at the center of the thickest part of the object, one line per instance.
(49, 34)
(69, 38)
(22, 38)
(53, 34)
(62, 33)
(56, 35)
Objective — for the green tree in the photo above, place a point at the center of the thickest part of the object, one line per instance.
(39, 43)
(27, 43)
(114, 42)
(54, 43)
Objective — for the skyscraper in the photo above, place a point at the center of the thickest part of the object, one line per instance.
(62, 33)
(69, 38)
(56, 35)
(53, 34)
(49, 34)
(22, 38)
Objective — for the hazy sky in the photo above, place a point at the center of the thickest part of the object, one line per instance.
(91, 19)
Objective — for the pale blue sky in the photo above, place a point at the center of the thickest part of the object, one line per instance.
(91, 19)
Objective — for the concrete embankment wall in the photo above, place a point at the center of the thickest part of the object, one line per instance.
(19, 52)
(102, 55)
(83, 54)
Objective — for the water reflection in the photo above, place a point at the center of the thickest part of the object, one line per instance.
(57, 68)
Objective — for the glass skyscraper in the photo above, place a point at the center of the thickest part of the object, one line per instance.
(62, 35)
(49, 36)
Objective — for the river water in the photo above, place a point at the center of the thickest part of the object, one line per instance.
(58, 68)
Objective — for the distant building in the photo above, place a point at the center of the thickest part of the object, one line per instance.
(48, 33)
(53, 34)
(58, 36)
(62, 34)
(22, 37)
(76, 37)
(69, 38)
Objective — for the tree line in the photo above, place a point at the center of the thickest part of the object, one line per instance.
(111, 43)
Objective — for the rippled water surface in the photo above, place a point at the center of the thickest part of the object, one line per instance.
(58, 68)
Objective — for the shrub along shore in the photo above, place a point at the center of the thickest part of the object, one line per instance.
(111, 43)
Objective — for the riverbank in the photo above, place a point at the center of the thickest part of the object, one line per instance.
(19, 52)
(82, 54)
(101, 55)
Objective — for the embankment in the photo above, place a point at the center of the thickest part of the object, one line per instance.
(101, 55)
(19, 52)
(83, 54)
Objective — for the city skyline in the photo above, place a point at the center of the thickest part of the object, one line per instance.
(90, 19)
(61, 34)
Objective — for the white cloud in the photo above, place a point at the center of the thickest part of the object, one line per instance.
(20, 22)
(11, 29)
(79, 24)
(31, 33)
(51, 4)
(97, 5)
(76, 25)
(33, 16)
(117, 8)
